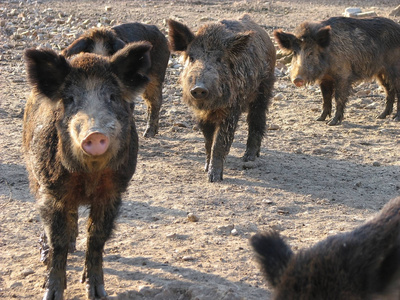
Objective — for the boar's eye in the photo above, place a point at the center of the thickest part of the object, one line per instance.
(191, 58)
(112, 98)
(69, 100)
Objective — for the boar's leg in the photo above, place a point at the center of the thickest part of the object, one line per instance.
(222, 141)
(342, 90)
(153, 97)
(73, 228)
(256, 119)
(208, 130)
(327, 92)
(100, 225)
(390, 95)
(55, 221)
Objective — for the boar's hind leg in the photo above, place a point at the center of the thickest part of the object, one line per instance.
(100, 225)
(153, 97)
(327, 92)
(256, 120)
(56, 227)
(390, 95)
(208, 130)
(222, 141)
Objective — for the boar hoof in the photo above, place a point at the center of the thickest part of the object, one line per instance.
(96, 292)
(334, 121)
(215, 175)
(248, 156)
(72, 247)
(397, 117)
(150, 132)
(323, 116)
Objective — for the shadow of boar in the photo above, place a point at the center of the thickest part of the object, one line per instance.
(358, 265)
(229, 69)
(341, 51)
(107, 41)
(80, 146)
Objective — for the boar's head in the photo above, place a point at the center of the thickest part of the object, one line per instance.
(310, 50)
(210, 59)
(101, 41)
(90, 101)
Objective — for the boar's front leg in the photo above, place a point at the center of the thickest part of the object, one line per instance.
(55, 221)
(100, 225)
(153, 98)
(222, 141)
(342, 91)
(208, 130)
(327, 87)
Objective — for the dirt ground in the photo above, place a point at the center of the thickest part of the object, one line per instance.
(311, 180)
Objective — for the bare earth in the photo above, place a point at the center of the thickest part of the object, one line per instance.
(311, 180)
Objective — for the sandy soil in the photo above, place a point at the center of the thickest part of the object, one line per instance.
(310, 182)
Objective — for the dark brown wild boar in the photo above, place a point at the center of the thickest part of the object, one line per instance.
(363, 264)
(80, 146)
(107, 41)
(229, 69)
(341, 51)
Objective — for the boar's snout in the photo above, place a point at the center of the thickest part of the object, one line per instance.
(199, 92)
(95, 144)
(298, 81)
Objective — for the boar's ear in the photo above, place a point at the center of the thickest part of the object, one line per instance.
(46, 70)
(180, 36)
(237, 43)
(273, 255)
(323, 36)
(82, 44)
(132, 63)
(286, 41)
(118, 44)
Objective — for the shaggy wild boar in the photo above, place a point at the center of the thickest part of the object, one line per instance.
(107, 41)
(229, 69)
(80, 146)
(341, 51)
(363, 264)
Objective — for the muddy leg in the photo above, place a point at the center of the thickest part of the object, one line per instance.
(327, 87)
(153, 97)
(342, 91)
(208, 130)
(100, 225)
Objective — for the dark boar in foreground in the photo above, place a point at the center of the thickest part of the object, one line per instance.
(80, 146)
(341, 51)
(107, 41)
(359, 265)
(229, 69)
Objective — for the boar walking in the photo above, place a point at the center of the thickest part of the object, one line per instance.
(229, 69)
(80, 146)
(358, 265)
(107, 41)
(341, 51)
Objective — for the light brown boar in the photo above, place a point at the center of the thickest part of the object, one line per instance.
(229, 69)
(80, 146)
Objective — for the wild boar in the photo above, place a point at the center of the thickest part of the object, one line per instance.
(359, 265)
(80, 146)
(340, 51)
(229, 69)
(107, 41)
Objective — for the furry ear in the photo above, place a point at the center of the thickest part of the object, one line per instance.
(82, 44)
(323, 36)
(132, 63)
(286, 41)
(237, 43)
(273, 255)
(118, 44)
(46, 70)
(180, 36)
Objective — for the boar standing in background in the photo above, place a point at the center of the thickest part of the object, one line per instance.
(229, 69)
(80, 146)
(107, 41)
(358, 265)
(341, 51)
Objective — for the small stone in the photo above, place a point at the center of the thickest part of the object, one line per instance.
(108, 8)
(351, 11)
(225, 230)
(234, 232)
(192, 217)
(27, 272)
(188, 258)
(171, 236)
(273, 127)
(376, 163)
(279, 97)
(266, 201)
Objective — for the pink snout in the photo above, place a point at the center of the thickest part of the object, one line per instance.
(298, 82)
(95, 144)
